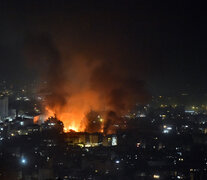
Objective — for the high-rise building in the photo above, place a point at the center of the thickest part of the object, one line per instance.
(4, 103)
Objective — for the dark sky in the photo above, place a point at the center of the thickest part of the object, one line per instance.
(166, 39)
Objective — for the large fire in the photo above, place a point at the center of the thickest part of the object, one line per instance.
(69, 120)
(73, 113)
(77, 83)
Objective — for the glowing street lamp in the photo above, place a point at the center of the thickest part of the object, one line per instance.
(23, 161)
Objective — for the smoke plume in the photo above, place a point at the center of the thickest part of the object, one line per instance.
(85, 86)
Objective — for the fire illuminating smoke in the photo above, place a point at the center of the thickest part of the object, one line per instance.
(72, 120)
(72, 100)
(64, 118)
(79, 84)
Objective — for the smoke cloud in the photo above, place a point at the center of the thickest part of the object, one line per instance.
(85, 85)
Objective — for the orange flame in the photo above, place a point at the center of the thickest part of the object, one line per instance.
(66, 118)
(73, 113)
(35, 120)
(82, 98)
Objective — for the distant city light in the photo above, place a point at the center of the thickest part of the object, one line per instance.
(138, 144)
(180, 159)
(23, 161)
(189, 111)
(156, 176)
(165, 131)
(141, 115)
(114, 141)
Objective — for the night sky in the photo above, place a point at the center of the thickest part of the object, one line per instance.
(167, 40)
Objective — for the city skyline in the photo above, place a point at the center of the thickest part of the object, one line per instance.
(103, 90)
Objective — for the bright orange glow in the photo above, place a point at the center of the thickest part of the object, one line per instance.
(73, 113)
(36, 118)
(70, 128)
(75, 94)
(73, 120)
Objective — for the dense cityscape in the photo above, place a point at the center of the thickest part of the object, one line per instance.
(103, 90)
(164, 139)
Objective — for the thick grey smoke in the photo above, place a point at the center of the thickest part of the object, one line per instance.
(79, 81)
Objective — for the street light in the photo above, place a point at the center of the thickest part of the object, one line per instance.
(23, 160)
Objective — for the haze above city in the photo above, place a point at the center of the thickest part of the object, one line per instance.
(163, 44)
